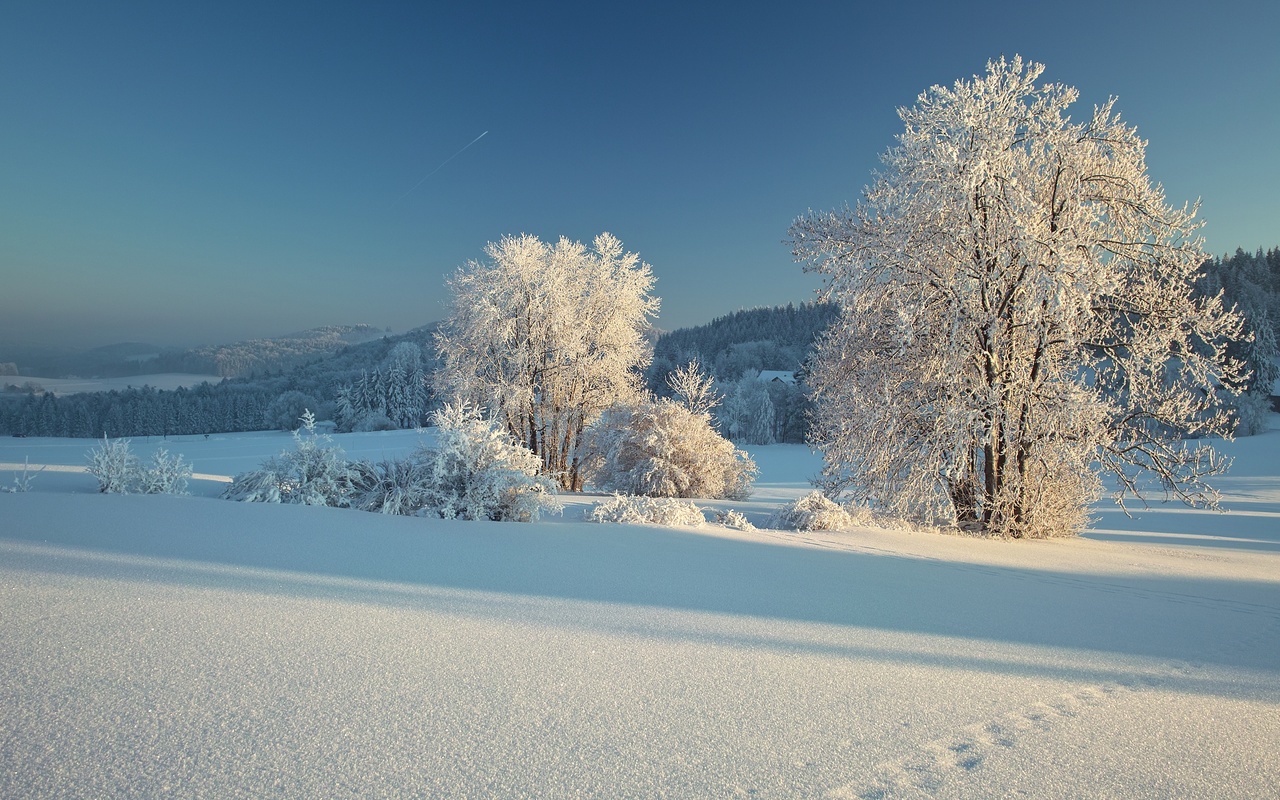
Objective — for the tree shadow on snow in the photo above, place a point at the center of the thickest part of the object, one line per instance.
(649, 577)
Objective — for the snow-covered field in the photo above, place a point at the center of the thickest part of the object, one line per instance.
(63, 386)
(155, 646)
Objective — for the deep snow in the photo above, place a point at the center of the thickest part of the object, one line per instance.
(187, 646)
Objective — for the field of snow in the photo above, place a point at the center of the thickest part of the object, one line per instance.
(156, 646)
(64, 386)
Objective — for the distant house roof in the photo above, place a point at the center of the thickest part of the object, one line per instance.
(781, 376)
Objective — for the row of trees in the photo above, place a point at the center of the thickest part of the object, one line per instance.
(201, 409)
(271, 401)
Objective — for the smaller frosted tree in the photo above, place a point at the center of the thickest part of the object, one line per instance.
(164, 474)
(119, 471)
(546, 336)
(748, 413)
(694, 387)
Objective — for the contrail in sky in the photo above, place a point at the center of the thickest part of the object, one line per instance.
(442, 163)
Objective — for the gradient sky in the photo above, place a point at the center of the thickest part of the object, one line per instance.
(183, 172)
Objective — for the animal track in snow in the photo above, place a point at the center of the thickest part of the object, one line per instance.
(923, 772)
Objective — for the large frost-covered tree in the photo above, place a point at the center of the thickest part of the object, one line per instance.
(546, 336)
(1017, 317)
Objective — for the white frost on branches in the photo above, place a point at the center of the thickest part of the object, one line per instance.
(479, 471)
(694, 387)
(119, 471)
(662, 449)
(1017, 315)
(547, 336)
(314, 473)
(633, 510)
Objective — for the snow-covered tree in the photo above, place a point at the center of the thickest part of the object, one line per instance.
(694, 387)
(285, 411)
(747, 415)
(547, 336)
(1016, 315)
(662, 449)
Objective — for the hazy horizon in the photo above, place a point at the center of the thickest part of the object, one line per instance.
(183, 175)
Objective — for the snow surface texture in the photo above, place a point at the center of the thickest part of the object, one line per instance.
(158, 646)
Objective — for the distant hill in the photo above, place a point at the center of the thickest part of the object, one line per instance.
(120, 360)
(261, 356)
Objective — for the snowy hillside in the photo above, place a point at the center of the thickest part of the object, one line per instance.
(188, 646)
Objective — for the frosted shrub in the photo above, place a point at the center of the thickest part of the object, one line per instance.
(478, 471)
(814, 512)
(315, 473)
(733, 519)
(119, 471)
(630, 509)
(401, 486)
(115, 466)
(22, 480)
(372, 421)
(165, 474)
(662, 449)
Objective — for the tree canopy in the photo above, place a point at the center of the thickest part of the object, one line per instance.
(546, 336)
(1017, 316)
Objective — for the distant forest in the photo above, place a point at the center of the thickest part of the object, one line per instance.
(269, 400)
(386, 382)
(1251, 283)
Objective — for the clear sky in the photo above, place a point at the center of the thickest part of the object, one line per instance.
(199, 172)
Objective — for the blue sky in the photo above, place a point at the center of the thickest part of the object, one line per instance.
(184, 173)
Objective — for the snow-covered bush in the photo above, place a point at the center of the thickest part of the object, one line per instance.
(114, 465)
(375, 420)
(165, 474)
(478, 471)
(22, 480)
(315, 473)
(814, 512)
(119, 471)
(284, 412)
(641, 510)
(662, 449)
(394, 486)
(733, 519)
